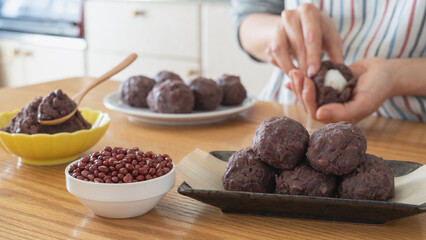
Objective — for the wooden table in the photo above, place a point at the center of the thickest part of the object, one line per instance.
(34, 203)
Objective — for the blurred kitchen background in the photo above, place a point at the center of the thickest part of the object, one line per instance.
(45, 40)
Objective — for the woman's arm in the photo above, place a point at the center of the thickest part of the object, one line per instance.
(256, 33)
(409, 75)
(243, 10)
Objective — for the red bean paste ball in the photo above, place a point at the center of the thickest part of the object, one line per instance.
(372, 180)
(304, 180)
(327, 94)
(171, 97)
(25, 121)
(234, 92)
(281, 142)
(55, 105)
(246, 172)
(166, 75)
(135, 89)
(121, 165)
(336, 148)
(207, 94)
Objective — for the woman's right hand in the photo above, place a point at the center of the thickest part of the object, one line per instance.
(304, 33)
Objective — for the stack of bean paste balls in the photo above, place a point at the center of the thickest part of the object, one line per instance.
(332, 162)
(168, 93)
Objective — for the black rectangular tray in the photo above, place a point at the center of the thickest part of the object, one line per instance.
(298, 206)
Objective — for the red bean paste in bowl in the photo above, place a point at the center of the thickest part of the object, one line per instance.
(55, 105)
(25, 121)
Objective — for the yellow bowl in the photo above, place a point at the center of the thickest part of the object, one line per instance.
(53, 149)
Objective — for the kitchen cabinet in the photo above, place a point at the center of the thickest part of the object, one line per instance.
(11, 64)
(29, 62)
(165, 35)
(188, 37)
(101, 61)
(152, 28)
(220, 50)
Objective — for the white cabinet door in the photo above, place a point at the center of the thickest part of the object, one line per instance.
(24, 64)
(12, 70)
(100, 62)
(47, 64)
(221, 53)
(156, 29)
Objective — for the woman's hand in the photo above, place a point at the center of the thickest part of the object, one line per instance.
(376, 83)
(304, 33)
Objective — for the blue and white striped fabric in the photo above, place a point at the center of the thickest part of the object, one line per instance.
(368, 28)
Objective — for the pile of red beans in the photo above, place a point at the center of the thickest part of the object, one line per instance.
(121, 165)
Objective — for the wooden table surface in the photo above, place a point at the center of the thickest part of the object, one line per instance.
(34, 202)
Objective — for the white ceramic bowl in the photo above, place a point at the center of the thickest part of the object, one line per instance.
(120, 200)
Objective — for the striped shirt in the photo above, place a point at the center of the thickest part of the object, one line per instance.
(373, 28)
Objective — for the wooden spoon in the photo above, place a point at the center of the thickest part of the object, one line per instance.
(80, 95)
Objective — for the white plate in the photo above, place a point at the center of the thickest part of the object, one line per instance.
(113, 102)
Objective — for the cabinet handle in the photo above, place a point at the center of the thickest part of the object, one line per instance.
(26, 54)
(191, 72)
(14, 52)
(139, 13)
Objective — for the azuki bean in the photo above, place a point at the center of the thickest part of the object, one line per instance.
(121, 165)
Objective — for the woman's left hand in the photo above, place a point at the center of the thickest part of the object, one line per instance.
(375, 85)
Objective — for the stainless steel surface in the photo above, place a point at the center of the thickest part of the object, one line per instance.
(52, 17)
